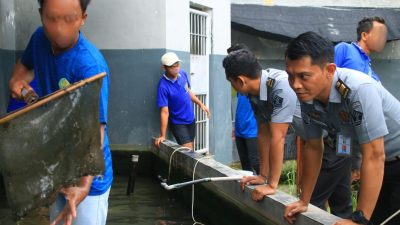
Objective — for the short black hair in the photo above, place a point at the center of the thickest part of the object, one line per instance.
(320, 49)
(241, 62)
(84, 4)
(237, 46)
(366, 24)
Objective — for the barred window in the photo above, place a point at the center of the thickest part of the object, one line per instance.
(198, 32)
(200, 141)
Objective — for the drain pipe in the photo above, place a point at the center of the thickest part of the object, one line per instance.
(132, 175)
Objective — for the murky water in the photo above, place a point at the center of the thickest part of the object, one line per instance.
(149, 205)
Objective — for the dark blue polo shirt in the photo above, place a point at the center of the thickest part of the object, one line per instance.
(82, 61)
(245, 122)
(352, 56)
(175, 95)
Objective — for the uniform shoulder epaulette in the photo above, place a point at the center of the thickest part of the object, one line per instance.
(270, 82)
(342, 88)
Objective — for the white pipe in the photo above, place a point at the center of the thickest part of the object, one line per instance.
(208, 179)
(226, 178)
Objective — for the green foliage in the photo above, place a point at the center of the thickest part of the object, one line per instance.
(288, 174)
(287, 182)
(355, 187)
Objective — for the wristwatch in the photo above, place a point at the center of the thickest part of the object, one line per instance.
(358, 217)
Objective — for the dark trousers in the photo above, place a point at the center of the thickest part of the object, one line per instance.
(389, 197)
(183, 133)
(334, 186)
(248, 154)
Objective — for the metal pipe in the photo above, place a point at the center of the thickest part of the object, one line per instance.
(132, 176)
(202, 180)
(29, 96)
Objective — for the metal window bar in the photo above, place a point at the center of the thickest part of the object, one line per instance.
(198, 32)
(201, 140)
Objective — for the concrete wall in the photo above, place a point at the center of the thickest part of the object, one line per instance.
(220, 90)
(7, 46)
(353, 3)
(221, 17)
(233, 206)
(27, 19)
(177, 26)
(132, 43)
(7, 31)
(18, 19)
(126, 24)
(132, 35)
(135, 56)
(220, 104)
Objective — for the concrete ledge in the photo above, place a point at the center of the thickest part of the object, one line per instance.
(270, 210)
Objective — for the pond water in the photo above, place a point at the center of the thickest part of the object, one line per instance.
(150, 204)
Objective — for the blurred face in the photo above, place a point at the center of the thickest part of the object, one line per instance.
(62, 20)
(376, 38)
(172, 71)
(310, 81)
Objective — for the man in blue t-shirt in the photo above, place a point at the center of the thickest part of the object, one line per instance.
(59, 53)
(371, 37)
(175, 98)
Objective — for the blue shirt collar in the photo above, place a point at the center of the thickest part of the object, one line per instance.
(358, 47)
(66, 53)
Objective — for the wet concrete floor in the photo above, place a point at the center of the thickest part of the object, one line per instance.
(148, 205)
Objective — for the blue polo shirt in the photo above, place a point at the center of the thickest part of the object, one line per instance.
(352, 56)
(80, 62)
(174, 94)
(245, 122)
(14, 104)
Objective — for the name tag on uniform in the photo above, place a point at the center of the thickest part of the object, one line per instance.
(343, 145)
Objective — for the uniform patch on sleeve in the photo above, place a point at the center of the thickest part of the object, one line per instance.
(277, 101)
(357, 117)
(356, 105)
